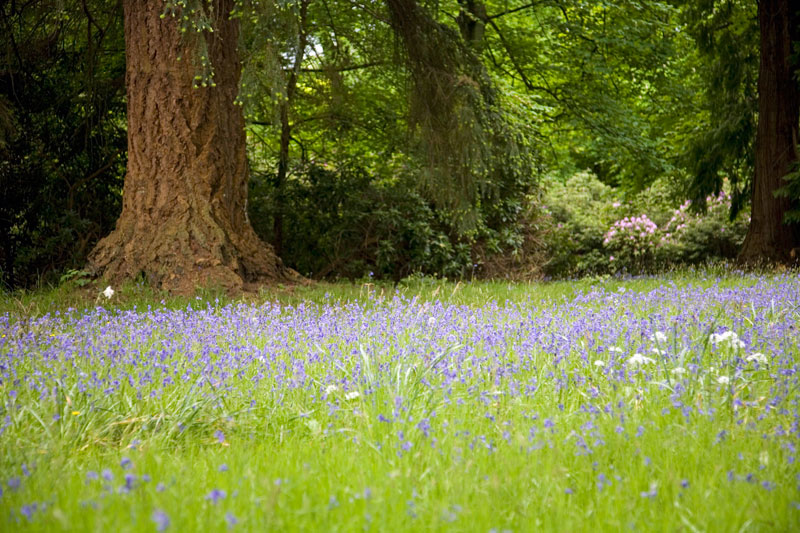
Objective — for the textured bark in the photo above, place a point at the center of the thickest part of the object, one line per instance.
(768, 238)
(184, 218)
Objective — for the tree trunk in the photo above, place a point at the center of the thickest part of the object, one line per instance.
(471, 21)
(286, 127)
(768, 238)
(184, 217)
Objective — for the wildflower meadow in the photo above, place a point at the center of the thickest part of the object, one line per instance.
(660, 404)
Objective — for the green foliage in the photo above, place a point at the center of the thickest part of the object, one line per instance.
(721, 142)
(80, 278)
(62, 153)
(452, 110)
(343, 222)
(470, 150)
(577, 214)
(608, 77)
(691, 237)
(591, 229)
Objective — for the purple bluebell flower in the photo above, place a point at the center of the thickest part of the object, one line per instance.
(652, 493)
(216, 495)
(125, 463)
(333, 502)
(28, 510)
(602, 481)
(161, 519)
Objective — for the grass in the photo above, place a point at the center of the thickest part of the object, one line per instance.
(423, 406)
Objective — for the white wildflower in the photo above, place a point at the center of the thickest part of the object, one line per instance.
(599, 363)
(678, 371)
(658, 352)
(758, 357)
(639, 359)
(352, 395)
(330, 389)
(109, 292)
(723, 380)
(659, 337)
(727, 337)
(615, 349)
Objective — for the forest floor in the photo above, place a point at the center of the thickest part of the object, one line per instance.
(660, 403)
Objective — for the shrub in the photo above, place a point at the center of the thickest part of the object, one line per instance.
(342, 222)
(575, 216)
(590, 229)
(632, 243)
(691, 237)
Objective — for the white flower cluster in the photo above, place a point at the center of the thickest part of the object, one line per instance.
(757, 357)
(727, 337)
(639, 359)
(660, 337)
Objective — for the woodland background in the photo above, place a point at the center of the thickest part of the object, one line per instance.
(579, 138)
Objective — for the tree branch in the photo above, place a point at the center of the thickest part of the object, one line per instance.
(514, 10)
(344, 69)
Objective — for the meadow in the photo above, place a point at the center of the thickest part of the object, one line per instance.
(653, 404)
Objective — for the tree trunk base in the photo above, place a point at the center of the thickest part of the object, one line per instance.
(187, 252)
(184, 205)
(757, 252)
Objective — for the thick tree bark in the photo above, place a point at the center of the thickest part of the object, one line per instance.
(184, 218)
(768, 238)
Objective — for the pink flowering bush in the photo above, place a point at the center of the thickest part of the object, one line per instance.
(631, 243)
(590, 228)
